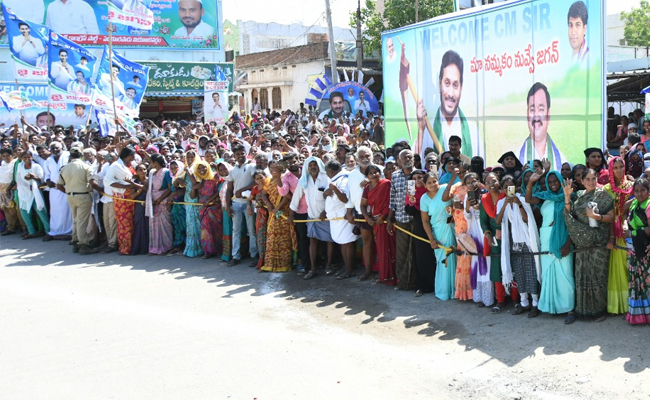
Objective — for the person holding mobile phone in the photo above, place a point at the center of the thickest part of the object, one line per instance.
(519, 238)
(492, 232)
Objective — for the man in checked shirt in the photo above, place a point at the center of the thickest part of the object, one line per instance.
(404, 270)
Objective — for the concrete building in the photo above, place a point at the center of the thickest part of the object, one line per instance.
(279, 79)
(256, 37)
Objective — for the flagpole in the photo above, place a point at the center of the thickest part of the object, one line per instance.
(110, 58)
(21, 110)
(89, 114)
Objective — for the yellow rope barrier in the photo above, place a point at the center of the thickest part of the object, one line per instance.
(447, 249)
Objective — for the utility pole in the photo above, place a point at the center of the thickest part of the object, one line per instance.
(335, 72)
(360, 39)
(417, 5)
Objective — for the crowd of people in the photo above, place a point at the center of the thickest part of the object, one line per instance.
(289, 192)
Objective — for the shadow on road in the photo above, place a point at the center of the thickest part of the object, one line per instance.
(472, 327)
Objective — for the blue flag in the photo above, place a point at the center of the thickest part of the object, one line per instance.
(123, 79)
(70, 69)
(28, 44)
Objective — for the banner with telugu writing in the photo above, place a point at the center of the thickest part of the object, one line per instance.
(524, 76)
(131, 13)
(34, 102)
(28, 44)
(187, 77)
(170, 24)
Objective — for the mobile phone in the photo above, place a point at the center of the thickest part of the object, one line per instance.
(510, 191)
(410, 187)
(472, 196)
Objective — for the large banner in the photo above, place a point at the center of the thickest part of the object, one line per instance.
(60, 113)
(128, 84)
(132, 13)
(28, 43)
(70, 69)
(176, 23)
(526, 76)
(185, 77)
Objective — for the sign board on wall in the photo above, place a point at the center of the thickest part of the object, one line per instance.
(184, 77)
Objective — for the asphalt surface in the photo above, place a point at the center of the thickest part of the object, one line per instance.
(119, 327)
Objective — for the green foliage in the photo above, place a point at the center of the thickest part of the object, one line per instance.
(397, 13)
(637, 25)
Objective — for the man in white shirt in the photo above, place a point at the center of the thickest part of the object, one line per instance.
(190, 13)
(240, 180)
(83, 65)
(80, 116)
(216, 111)
(60, 213)
(32, 10)
(356, 184)
(105, 83)
(362, 104)
(116, 181)
(29, 48)
(128, 99)
(135, 82)
(72, 17)
(61, 71)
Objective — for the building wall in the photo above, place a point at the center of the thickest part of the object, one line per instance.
(291, 79)
(255, 37)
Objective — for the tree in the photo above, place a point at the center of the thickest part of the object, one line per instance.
(637, 25)
(397, 13)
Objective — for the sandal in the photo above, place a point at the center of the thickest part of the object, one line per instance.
(365, 277)
(520, 310)
(497, 309)
(329, 271)
(418, 293)
(534, 312)
(345, 275)
(570, 318)
(600, 318)
(480, 305)
(310, 275)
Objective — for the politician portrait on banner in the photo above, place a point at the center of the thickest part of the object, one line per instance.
(69, 76)
(491, 76)
(122, 80)
(215, 102)
(135, 23)
(28, 44)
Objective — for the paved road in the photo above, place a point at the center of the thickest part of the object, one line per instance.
(101, 327)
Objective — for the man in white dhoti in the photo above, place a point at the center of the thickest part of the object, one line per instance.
(336, 205)
(60, 214)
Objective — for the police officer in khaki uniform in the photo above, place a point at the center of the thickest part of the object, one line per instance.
(75, 180)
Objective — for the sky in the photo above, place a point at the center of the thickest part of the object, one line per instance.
(306, 12)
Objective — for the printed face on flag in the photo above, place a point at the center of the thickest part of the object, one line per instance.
(28, 45)
(70, 69)
(123, 80)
